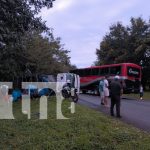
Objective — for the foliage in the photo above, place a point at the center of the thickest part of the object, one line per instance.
(113, 45)
(46, 55)
(127, 44)
(146, 96)
(16, 18)
(86, 129)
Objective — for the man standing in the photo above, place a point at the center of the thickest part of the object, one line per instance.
(101, 90)
(116, 91)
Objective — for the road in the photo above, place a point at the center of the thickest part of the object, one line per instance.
(134, 112)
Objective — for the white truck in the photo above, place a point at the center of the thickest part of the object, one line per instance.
(70, 85)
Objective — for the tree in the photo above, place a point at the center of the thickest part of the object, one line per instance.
(46, 55)
(127, 44)
(113, 45)
(16, 18)
(124, 44)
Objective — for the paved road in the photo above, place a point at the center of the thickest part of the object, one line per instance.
(133, 112)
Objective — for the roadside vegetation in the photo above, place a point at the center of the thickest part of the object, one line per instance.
(27, 43)
(127, 43)
(86, 129)
(146, 95)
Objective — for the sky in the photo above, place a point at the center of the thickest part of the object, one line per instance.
(82, 24)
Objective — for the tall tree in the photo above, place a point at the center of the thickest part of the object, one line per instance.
(124, 44)
(127, 44)
(16, 18)
(46, 55)
(113, 45)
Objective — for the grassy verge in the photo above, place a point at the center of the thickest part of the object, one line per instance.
(85, 130)
(137, 96)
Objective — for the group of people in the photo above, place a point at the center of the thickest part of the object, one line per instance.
(114, 90)
(104, 91)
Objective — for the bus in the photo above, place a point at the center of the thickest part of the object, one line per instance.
(129, 73)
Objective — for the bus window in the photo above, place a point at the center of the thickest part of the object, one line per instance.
(87, 72)
(81, 72)
(115, 70)
(104, 71)
(95, 71)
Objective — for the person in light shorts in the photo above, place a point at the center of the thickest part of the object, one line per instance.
(101, 90)
(106, 91)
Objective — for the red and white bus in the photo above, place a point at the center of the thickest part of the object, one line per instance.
(130, 76)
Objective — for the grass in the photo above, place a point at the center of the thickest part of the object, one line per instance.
(85, 130)
(146, 96)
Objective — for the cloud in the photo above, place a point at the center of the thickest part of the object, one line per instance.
(58, 6)
(63, 4)
(119, 7)
(82, 23)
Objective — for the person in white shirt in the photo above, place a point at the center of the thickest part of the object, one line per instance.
(106, 91)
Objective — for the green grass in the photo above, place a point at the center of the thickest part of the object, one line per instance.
(85, 130)
(137, 96)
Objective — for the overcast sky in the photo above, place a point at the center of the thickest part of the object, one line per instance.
(82, 23)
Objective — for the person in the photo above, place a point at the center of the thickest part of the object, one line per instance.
(141, 91)
(115, 92)
(101, 90)
(106, 91)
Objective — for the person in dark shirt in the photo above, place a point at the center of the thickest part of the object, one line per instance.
(115, 92)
